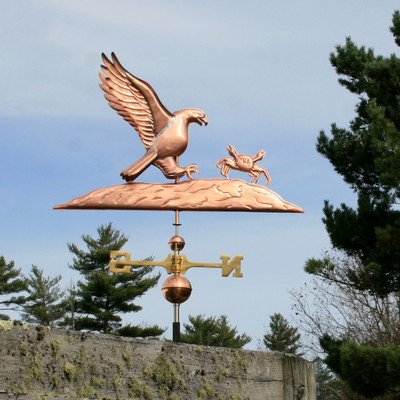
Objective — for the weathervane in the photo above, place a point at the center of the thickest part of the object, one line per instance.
(165, 136)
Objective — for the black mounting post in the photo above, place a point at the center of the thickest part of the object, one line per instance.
(176, 331)
(176, 325)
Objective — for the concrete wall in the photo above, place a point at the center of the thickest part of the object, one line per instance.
(57, 363)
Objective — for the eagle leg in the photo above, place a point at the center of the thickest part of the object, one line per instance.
(172, 170)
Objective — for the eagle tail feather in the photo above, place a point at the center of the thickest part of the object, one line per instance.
(134, 170)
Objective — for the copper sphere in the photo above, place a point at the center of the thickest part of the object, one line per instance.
(176, 289)
(176, 243)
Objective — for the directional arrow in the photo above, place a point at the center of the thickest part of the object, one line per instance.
(174, 264)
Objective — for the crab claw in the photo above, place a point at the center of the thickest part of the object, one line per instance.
(232, 151)
(259, 156)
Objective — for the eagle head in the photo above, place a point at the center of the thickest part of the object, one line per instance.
(193, 115)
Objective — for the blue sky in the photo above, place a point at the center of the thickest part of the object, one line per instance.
(261, 72)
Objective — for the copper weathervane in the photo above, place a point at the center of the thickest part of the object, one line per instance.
(165, 137)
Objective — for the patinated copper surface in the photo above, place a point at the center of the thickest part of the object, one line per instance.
(193, 195)
(176, 289)
(243, 163)
(164, 134)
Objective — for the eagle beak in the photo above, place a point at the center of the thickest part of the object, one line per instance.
(200, 121)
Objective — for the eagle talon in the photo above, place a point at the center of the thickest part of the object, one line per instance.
(191, 169)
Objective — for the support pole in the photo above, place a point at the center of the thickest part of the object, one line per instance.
(176, 326)
(177, 224)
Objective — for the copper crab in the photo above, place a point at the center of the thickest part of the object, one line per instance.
(244, 163)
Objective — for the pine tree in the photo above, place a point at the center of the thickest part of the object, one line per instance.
(213, 331)
(11, 283)
(102, 296)
(139, 331)
(367, 155)
(282, 337)
(45, 303)
(369, 371)
(71, 303)
(329, 386)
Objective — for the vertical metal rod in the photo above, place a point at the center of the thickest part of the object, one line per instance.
(176, 325)
(177, 224)
(176, 312)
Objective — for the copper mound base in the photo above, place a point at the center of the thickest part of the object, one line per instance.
(190, 195)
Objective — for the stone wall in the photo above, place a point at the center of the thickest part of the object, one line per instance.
(37, 362)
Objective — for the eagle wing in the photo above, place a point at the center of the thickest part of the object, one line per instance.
(133, 99)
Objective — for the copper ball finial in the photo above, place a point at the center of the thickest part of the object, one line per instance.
(176, 289)
(176, 243)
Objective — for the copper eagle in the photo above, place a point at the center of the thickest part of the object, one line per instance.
(165, 135)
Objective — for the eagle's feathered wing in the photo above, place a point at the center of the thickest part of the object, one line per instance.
(161, 132)
(133, 99)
